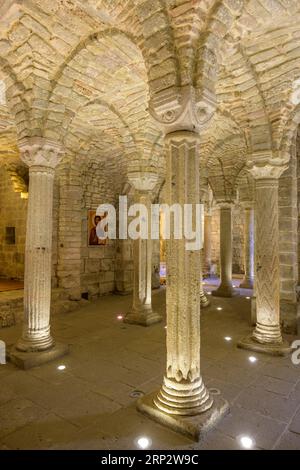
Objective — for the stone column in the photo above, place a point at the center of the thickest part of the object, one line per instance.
(248, 247)
(183, 393)
(207, 243)
(266, 336)
(204, 301)
(225, 289)
(141, 312)
(37, 344)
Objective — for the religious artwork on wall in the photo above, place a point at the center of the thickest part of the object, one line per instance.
(95, 234)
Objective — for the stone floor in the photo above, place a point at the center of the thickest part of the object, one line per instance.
(91, 404)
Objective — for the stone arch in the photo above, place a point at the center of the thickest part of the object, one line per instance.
(16, 97)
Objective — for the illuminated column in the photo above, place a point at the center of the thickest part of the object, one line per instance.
(266, 336)
(225, 289)
(207, 243)
(204, 301)
(248, 247)
(183, 393)
(36, 344)
(141, 312)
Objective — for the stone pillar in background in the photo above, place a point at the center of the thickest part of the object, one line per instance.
(248, 280)
(225, 289)
(204, 301)
(141, 312)
(183, 393)
(36, 344)
(266, 336)
(207, 243)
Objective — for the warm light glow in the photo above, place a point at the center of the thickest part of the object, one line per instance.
(208, 293)
(246, 442)
(143, 442)
(248, 298)
(228, 338)
(120, 317)
(165, 327)
(219, 308)
(252, 359)
(61, 367)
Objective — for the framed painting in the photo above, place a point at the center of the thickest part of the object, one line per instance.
(93, 220)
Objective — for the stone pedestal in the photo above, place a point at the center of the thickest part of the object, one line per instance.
(141, 312)
(266, 336)
(248, 280)
(192, 427)
(41, 157)
(225, 289)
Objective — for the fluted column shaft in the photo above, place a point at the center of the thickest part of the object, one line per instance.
(37, 281)
(183, 391)
(207, 243)
(141, 312)
(142, 255)
(225, 289)
(267, 261)
(42, 157)
(204, 302)
(248, 248)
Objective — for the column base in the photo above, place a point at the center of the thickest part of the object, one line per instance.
(227, 291)
(193, 427)
(246, 284)
(204, 301)
(273, 349)
(143, 318)
(27, 360)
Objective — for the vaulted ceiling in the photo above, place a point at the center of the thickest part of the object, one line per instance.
(83, 72)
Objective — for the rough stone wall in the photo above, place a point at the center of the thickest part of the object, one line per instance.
(13, 212)
(97, 263)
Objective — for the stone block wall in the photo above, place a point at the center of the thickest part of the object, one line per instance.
(98, 263)
(13, 212)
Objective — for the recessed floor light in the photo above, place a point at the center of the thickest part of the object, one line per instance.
(120, 317)
(208, 293)
(228, 338)
(248, 298)
(246, 442)
(219, 308)
(252, 359)
(61, 367)
(143, 442)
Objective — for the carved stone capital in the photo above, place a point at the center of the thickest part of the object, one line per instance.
(225, 203)
(247, 204)
(265, 166)
(183, 108)
(40, 152)
(143, 180)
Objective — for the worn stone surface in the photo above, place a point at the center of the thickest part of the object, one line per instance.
(35, 406)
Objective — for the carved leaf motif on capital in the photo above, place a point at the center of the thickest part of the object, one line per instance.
(267, 167)
(41, 155)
